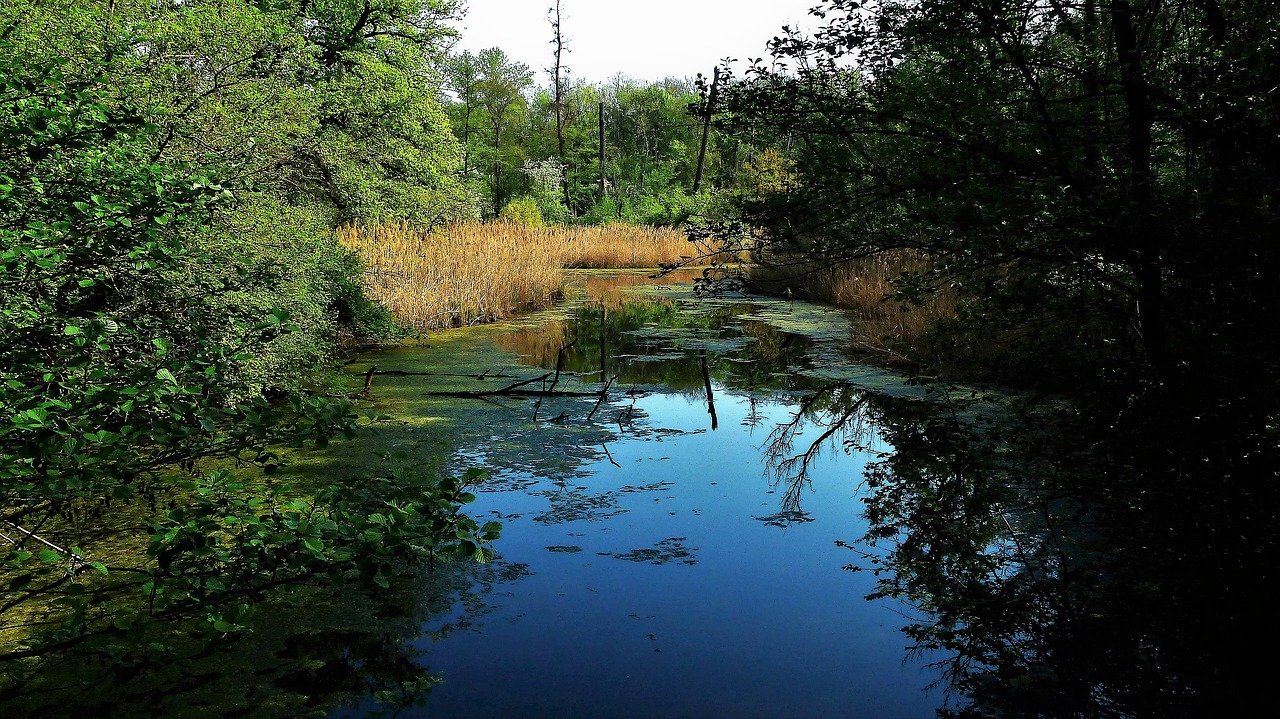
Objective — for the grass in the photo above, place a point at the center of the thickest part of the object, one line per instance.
(468, 273)
(863, 287)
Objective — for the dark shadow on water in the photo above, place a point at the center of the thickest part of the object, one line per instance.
(312, 648)
(1079, 560)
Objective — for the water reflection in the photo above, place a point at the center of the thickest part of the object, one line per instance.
(1079, 562)
(312, 648)
(668, 343)
(1056, 560)
(649, 564)
(671, 572)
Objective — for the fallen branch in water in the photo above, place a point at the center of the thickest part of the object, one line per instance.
(603, 393)
(374, 371)
(547, 391)
(483, 375)
(517, 390)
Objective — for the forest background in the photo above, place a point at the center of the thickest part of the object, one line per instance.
(177, 303)
(1080, 195)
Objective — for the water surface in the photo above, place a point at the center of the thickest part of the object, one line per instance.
(656, 562)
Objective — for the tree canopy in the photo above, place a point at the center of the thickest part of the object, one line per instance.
(172, 299)
(1094, 178)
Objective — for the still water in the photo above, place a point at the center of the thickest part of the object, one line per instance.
(656, 558)
(677, 546)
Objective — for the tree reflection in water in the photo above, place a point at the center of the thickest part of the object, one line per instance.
(1072, 562)
(313, 648)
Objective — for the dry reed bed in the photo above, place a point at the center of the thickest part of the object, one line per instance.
(617, 246)
(469, 273)
(862, 286)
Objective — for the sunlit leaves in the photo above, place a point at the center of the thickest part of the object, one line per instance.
(123, 379)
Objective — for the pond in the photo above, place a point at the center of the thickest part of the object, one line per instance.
(683, 547)
(749, 522)
(659, 557)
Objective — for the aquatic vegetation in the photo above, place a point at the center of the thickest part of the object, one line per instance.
(458, 275)
(639, 502)
(892, 328)
(467, 273)
(669, 550)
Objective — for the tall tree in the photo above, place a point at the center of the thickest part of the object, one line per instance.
(1076, 168)
(503, 83)
(559, 77)
(464, 80)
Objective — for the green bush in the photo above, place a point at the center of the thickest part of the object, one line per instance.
(133, 334)
(522, 211)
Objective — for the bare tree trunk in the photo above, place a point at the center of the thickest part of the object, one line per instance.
(558, 76)
(466, 141)
(706, 130)
(1148, 264)
(602, 184)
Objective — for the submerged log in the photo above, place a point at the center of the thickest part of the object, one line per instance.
(517, 389)
(373, 371)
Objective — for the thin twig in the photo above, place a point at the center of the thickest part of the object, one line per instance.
(608, 454)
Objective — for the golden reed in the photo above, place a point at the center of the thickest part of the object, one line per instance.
(468, 273)
(863, 286)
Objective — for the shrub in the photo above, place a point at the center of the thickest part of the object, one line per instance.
(522, 211)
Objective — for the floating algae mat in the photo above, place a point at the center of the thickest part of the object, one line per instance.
(658, 556)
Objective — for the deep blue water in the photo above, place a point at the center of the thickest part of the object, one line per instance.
(728, 615)
(651, 565)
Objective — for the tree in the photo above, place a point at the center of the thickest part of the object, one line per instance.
(653, 142)
(307, 146)
(1096, 181)
(1074, 169)
(559, 74)
(464, 81)
(134, 323)
(502, 86)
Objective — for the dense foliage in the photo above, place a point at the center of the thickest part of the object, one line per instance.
(171, 176)
(644, 173)
(1095, 183)
(1096, 179)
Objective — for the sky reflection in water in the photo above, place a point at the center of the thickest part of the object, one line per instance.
(666, 577)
